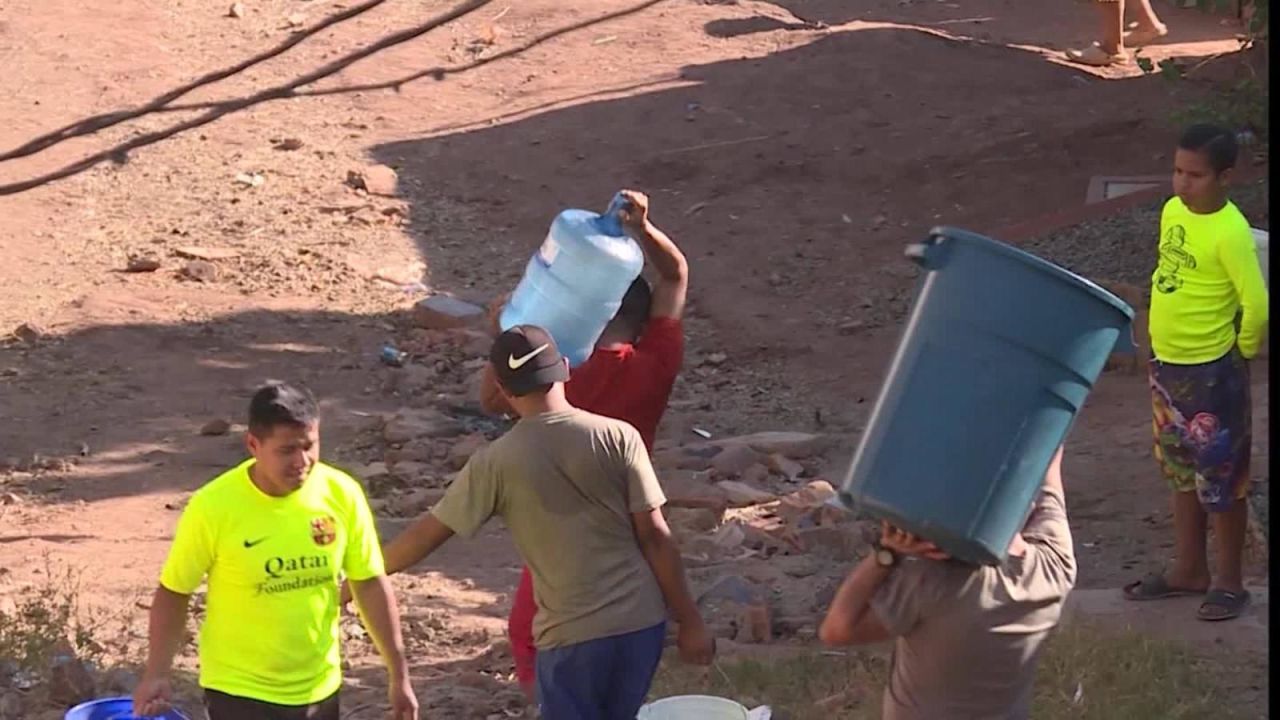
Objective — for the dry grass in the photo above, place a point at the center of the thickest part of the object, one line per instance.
(49, 618)
(843, 686)
(46, 617)
(1085, 674)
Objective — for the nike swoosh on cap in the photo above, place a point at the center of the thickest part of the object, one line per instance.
(516, 363)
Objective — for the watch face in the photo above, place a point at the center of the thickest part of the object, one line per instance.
(885, 557)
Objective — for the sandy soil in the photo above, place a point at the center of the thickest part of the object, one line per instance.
(791, 147)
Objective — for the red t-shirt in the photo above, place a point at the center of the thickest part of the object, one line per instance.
(632, 383)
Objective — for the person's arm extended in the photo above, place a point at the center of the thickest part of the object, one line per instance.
(189, 561)
(467, 505)
(850, 620)
(415, 543)
(1240, 258)
(660, 551)
(409, 548)
(377, 606)
(167, 628)
(672, 288)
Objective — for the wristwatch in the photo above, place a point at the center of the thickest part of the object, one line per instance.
(885, 557)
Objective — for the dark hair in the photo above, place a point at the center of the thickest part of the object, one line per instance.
(278, 403)
(532, 392)
(1215, 142)
(636, 304)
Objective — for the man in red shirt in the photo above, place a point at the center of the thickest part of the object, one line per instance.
(629, 377)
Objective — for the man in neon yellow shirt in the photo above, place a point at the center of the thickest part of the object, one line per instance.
(271, 536)
(1207, 274)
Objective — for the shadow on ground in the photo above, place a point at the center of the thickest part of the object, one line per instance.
(132, 398)
(297, 87)
(794, 180)
(1056, 26)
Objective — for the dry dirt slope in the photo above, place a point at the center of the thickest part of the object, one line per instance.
(791, 161)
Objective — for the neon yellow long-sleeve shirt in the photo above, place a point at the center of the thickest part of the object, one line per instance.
(1207, 272)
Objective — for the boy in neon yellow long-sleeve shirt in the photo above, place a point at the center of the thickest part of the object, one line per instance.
(1207, 275)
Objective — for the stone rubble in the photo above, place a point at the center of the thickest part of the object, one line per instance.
(763, 539)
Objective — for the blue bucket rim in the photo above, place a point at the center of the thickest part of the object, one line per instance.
(90, 704)
(1093, 288)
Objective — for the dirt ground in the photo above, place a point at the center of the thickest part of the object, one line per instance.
(792, 148)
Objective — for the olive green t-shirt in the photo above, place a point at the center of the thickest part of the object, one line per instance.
(566, 484)
(968, 639)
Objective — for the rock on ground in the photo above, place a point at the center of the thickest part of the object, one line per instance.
(70, 682)
(215, 427)
(794, 445)
(442, 312)
(375, 180)
(734, 460)
(411, 424)
(692, 489)
(742, 495)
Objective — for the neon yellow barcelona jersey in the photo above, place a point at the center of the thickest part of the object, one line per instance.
(273, 565)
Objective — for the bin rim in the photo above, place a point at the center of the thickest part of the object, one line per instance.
(1099, 292)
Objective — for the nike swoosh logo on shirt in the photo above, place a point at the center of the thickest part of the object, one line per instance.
(251, 543)
(516, 363)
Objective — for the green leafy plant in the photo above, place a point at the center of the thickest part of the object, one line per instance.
(1254, 10)
(1240, 104)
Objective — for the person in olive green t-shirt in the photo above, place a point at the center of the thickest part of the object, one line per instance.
(272, 536)
(585, 510)
(1207, 274)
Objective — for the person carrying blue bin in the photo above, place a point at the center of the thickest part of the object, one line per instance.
(967, 637)
(272, 537)
(1207, 273)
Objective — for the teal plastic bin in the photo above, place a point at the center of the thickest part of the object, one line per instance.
(999, 352)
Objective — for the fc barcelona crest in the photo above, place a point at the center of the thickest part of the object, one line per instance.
(324, 530)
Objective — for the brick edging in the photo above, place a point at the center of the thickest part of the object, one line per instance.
(1051, 222)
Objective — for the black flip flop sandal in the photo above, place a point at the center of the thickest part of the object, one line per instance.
(1221, 605)
(1155, 587)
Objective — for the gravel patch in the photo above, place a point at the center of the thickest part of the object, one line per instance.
(1122, 247)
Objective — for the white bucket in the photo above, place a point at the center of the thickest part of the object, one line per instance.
(693, 707)
(1261, 239)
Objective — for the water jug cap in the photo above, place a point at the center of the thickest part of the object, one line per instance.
(610, 221)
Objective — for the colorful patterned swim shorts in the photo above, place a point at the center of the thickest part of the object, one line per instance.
(1203, 424)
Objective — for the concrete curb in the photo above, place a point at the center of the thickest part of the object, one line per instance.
(1027, 229)
(1045, 224)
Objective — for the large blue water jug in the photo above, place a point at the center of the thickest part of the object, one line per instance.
(573, 285)
(120, 708)
(998, 353)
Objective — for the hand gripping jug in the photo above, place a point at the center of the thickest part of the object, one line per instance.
(573, 285)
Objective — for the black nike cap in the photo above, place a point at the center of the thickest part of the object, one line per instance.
(525, 358)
